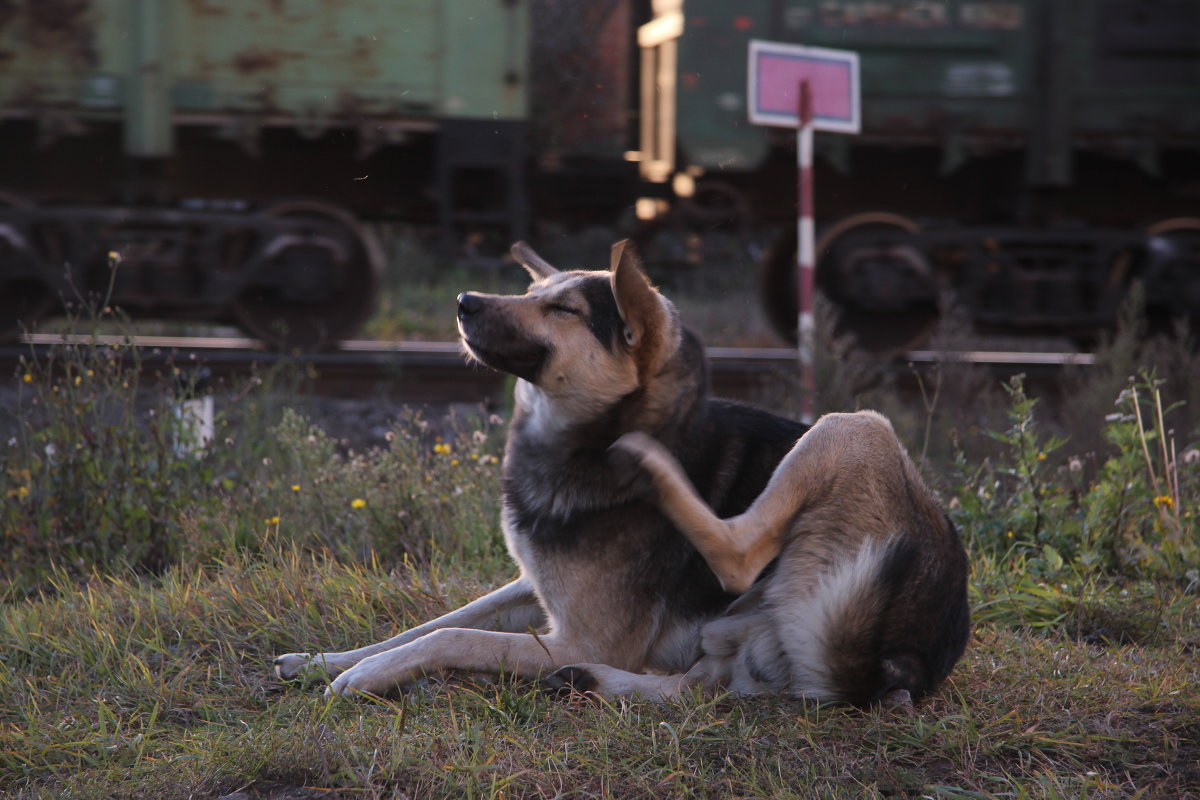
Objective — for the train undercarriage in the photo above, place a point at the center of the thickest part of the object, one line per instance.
(889, 276)
(297, 275)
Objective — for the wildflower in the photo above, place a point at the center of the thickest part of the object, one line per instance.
(1041, 456)
(28, 378)
(22, 492)
(1010, 534)
(454, 462)
(273, 520)
(441, 448)
(1075, 464)
(1164, 501)
(295, 487)
(358, 502)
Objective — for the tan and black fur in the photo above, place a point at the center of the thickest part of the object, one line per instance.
(753, 558)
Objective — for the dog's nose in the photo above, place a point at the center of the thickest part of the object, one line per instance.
(468, 304)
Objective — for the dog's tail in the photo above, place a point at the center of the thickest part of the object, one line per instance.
(846, 652)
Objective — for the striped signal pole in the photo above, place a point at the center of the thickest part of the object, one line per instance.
(805, 255)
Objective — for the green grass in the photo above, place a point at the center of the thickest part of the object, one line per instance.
(135, 648)
(137, 687)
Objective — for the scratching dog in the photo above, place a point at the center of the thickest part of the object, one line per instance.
(666, 539)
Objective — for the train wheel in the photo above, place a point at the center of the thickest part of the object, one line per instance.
(842, 268)
(715, 204)
(874, 264)
(316, 288)
(1173, 285)
(24, 300)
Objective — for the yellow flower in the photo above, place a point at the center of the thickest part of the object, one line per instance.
(454, 462)
(273, 520)
(1041, 456)
(27, 378)
(441, 448)
(22, 492)
(1010, 534)
(1164, 500)
(358, 502)
(78, 380)
(295, 487)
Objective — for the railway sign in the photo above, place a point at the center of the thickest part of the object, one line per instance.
(776, 71)
(809, 89)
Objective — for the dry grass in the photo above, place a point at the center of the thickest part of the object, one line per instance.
(162, 688)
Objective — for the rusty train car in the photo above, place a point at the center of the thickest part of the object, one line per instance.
(209, 158)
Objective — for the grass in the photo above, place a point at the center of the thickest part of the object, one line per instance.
(135, 688)
(135, 647)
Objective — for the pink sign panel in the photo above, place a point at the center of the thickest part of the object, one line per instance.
(776, 71)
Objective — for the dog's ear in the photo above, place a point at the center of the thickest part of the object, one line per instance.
(535, 265)
(638, 302)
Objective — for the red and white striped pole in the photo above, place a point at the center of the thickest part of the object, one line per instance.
(805, 255)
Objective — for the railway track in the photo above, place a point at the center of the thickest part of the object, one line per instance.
(437, 372)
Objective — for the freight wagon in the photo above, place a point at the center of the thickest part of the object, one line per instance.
(1032, 159)
(186, 138)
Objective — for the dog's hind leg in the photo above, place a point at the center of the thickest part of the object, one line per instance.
(513, 607)
(738, 548)
(605, 681)
(735, 549)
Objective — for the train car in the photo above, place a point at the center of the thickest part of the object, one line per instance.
(1031, 159)
(208, 158)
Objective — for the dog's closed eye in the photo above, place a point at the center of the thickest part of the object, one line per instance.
(559, 307)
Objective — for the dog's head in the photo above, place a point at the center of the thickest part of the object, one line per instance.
(585, 339)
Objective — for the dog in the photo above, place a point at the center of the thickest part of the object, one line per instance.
(746, 553)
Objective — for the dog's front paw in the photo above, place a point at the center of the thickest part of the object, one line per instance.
(292, 666)
(378, 676)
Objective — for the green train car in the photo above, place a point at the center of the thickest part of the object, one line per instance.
(1031, 158)
(182, 138)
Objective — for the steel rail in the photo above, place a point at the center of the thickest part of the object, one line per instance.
(438, 372)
